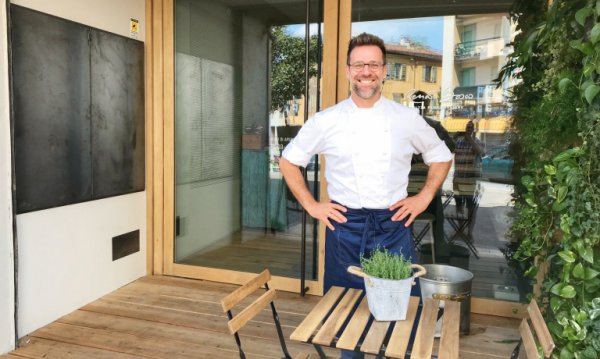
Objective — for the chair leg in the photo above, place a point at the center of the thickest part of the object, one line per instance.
(279, 331)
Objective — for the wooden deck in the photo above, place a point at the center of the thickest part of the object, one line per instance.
(171, 318)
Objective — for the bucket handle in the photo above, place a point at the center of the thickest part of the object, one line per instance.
(452, 297)
(359, 272)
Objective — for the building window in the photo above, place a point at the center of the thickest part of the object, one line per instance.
(401, 70)
(467, 77)
(396, 71)
(429, 73)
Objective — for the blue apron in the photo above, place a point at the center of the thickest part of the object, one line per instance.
(365, 230)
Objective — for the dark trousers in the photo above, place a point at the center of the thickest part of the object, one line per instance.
(365, 230)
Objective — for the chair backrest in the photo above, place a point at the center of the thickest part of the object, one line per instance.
(541, 332)
(238, 321)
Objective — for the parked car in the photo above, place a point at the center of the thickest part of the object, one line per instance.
(496, 165)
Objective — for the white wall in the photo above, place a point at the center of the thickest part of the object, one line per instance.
(7, 308)
(65, 253)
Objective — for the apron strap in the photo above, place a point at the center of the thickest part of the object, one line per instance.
(372, 223)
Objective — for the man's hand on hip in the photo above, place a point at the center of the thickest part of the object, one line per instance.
(327, 211)
(410, 208)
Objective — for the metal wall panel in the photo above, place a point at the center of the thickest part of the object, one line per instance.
(51, 102)
(78, 101)
(117, 73)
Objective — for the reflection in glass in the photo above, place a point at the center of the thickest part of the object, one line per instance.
(446, 66)
(240, 94)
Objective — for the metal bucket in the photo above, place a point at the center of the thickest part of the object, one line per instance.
(388, 298)
(449, 283)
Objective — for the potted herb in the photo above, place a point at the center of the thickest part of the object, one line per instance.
(388, 280)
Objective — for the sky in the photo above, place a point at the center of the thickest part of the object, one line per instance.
(427, 30)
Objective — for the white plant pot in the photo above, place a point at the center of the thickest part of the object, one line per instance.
(388, 298)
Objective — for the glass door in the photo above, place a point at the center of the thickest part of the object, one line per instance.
(247, 75)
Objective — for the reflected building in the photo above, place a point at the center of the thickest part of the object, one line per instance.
(475, 50)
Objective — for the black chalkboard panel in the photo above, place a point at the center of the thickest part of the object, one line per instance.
(78, 111)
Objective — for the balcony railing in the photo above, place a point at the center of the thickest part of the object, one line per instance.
(484, 48)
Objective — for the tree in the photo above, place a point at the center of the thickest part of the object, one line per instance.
(287, 66)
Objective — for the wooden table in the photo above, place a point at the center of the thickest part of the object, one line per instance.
(341, 306)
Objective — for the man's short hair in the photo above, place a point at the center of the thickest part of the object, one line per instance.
(365, 39)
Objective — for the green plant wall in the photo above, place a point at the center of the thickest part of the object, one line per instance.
(557, 147)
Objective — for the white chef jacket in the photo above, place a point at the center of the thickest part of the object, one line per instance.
(368, 151)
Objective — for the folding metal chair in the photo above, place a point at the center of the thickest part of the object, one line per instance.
(528, 339)
(238, 321)
(463, 224)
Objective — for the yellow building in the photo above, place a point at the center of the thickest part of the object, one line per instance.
(414, 73)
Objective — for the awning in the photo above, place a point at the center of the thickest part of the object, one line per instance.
(499, 124)
(452, 124)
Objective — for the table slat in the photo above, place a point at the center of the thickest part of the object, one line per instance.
(316, 315)
(356, 327)
(337, 318)
(375, 337)
(423, 345)
(398, 343)
(450, 330)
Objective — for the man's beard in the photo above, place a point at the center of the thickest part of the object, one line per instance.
(367, 93)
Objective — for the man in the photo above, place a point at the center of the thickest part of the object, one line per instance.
(467, 168)
(368, 142)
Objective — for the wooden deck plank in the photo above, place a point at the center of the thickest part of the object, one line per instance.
(251, 344)
(44, 348)
(399, 340)
(129, 343)
(176, 312)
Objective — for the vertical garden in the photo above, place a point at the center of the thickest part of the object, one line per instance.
(556, 147)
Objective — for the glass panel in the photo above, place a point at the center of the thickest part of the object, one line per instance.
(239, 98)
(472, 211)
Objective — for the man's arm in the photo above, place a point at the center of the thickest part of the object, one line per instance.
(477, 148)
(412, 206)
(321, 211)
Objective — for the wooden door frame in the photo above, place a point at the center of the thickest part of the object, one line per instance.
(160, 160)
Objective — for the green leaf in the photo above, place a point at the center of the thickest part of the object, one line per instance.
(557, 288)
(562, 84)
(582, 14)
(555, 303)
(565, 353)
(550, 169)
(562, 193)
(567, 256)
(595, 34)
(531, 202)
(590, 273)
(559, 206)
(598, 7)
(578, 271)
(591, 92)
(587, 254)
(568, 291)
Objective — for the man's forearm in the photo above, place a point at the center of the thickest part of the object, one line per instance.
(295, 182)
(435, 177)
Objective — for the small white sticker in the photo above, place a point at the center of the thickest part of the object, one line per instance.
(134, 27)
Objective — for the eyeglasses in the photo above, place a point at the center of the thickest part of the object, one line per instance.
(359, 66)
